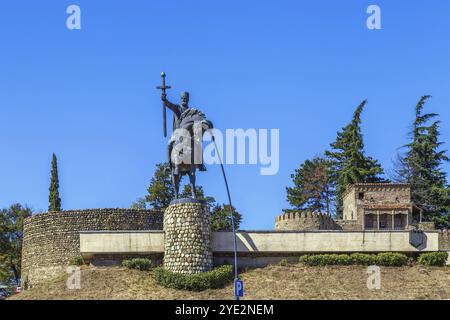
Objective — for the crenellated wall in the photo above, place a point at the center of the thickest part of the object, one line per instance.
(304, 221)
(52, 240)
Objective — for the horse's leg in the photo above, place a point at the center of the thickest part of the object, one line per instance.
(176, 183)
(192, 181)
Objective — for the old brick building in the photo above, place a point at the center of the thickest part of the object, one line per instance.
(378, 206)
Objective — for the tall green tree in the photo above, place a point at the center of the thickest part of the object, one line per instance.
(349, 164)
(421, 167)
(199, 193)
(53, 198)
(160, 192)
(139, 204)
(11, 237)
(221, 219)
(313, 188)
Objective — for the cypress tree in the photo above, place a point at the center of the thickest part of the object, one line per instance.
(421, 167)
(53, 198)
(349, 164)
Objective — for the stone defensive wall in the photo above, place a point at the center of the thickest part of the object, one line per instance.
(304, 221)
(52, 240)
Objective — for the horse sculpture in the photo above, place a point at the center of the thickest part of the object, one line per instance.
(185, 144)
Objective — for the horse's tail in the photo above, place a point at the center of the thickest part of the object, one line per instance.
(206, 125)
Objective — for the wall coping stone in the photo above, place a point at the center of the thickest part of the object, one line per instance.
(187, 200)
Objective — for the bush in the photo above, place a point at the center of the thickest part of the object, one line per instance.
(283, 263)
(213, 279)
(137, 263)
(343, 259)
(433, 259)
(325, 259)
(364, 259)
(383, 259)
(77, 261)
(391, 259)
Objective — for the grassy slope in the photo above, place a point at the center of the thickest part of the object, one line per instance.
(272, 282)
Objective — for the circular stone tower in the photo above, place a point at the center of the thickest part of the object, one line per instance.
(187, 239)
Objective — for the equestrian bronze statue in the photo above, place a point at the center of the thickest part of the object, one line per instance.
(184, 151)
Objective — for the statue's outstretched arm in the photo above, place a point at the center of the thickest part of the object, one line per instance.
(175, 108)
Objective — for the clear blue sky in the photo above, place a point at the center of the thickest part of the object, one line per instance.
(300, 66)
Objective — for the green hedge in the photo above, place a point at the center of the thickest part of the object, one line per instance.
(137, 263)
(213, 279)
(382, 259)
(433, 258)
(325, 259)
(364, 259)
(391, 259)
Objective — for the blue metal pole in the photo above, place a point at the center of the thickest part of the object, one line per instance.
(231, 214)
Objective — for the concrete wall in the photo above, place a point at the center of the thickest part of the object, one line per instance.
(263, 242)
(322, 241)
(119, 242)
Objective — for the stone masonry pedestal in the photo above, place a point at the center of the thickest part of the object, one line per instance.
(187, 238)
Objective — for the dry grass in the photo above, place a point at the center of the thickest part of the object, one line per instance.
(272, 282)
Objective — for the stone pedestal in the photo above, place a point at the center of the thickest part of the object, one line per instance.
(187, 239)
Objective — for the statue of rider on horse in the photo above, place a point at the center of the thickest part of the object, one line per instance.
(185, 144)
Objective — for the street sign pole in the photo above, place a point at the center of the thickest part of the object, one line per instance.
(237, 282)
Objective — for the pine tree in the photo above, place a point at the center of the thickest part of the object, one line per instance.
(160, 191)
(421, 167)
(199, 193)
(349, 164)
(53, 198)
(221, 220)
(313, 189)
(139, 204)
